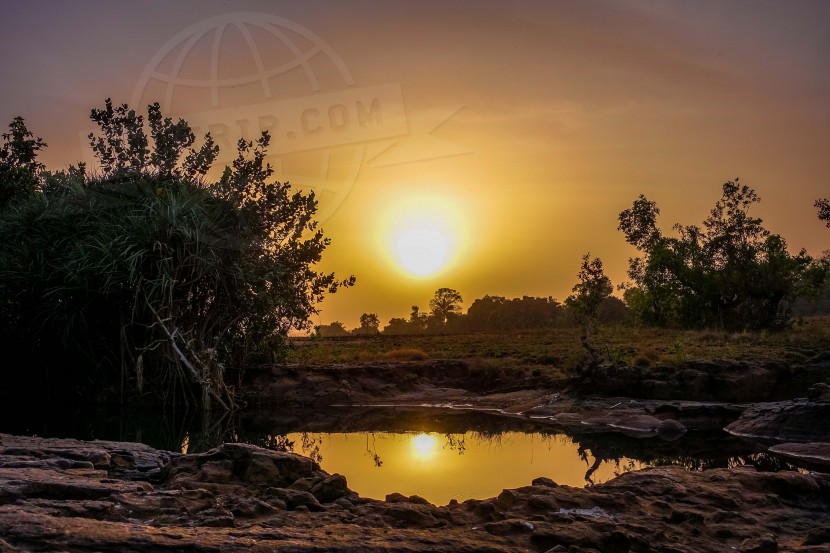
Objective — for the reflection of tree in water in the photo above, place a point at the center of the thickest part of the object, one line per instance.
(372, 450)
(695, 451)
(309, 444)
(456, 442)
(763, 462)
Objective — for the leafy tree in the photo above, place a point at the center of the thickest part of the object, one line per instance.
(589, 294)
(20, 171)
(445, 303)
(152, 277)
(369, 324)
(334, 329)
(497, 313)
(417, 320)
(823, 206)
(730, 273)
(398, 326)
(612, 310)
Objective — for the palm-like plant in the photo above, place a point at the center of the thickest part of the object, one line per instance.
(155, 275)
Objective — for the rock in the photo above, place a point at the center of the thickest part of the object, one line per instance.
(345, 503)
(765, 544)
(509, 527)
(798, 420)
(818, 536)
(47, 505)
(330, 488)
(251, 507)
(670, 429)
(415, 516)
(217, 518)
(544, 481)
(238, 464)
(295, 498)
(486, 510)
(819, 392)
(305, 484)
(506, 499)
(815, 453)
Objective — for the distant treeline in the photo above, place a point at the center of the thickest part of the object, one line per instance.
(729, 273)
(486, 314)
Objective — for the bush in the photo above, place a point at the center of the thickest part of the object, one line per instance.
(149, 279)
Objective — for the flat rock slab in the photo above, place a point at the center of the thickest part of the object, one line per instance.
(813, 453)
(798, 420)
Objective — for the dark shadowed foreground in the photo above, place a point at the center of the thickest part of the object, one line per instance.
(67, 495)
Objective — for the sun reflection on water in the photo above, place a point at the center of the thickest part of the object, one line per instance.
(423, 446)
(440, 467)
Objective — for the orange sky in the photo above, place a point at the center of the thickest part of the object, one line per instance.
(520, 131)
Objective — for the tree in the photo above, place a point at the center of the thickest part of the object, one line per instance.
(823, 206)
(589, 294)
(497, 313)
(369, 324)
(20, 171)
(417, 320)
(334, 329)
(730, 273)
(152, 277)
(397, 326)
(445, 302)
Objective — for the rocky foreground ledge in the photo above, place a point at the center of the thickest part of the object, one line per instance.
(68, 495)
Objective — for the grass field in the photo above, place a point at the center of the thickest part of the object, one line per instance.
(560, 348)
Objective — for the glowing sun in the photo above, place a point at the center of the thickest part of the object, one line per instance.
(422, 234)
(422, 251)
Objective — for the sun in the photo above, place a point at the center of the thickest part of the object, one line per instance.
(422, 251)
(423, 235)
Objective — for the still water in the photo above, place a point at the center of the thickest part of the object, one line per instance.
(437, 454)
(440, 467)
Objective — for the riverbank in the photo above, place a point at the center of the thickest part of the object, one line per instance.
(120, 496)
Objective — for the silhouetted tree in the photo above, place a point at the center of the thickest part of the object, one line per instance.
(589, 294)
(369, 324)
(613, 310)
(399, 325)
(146, 276)
(496, 313)
(20, 171)
(417, 320)
(823, 206)
(729, 273)
(330, 330)
(446, 301)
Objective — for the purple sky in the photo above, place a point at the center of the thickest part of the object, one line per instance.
(568, 111)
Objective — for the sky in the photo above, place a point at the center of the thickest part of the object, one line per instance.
(480, 146)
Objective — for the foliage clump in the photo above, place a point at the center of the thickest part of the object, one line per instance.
(731, 273)
(147, 278)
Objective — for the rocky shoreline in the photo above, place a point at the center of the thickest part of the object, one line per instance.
(68, 495)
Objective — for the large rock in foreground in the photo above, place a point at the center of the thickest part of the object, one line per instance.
(64, 495)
